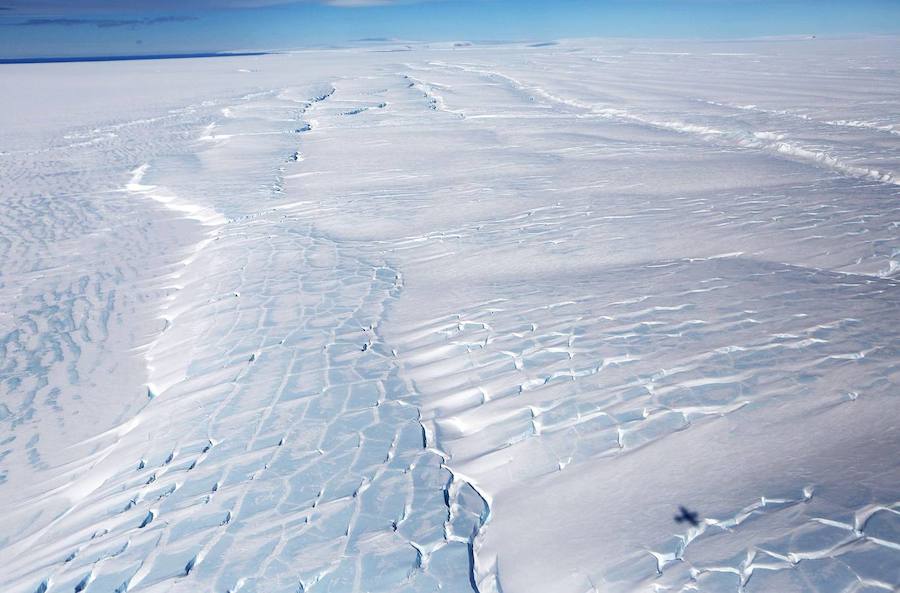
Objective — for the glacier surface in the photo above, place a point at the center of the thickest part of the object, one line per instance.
(454, 317)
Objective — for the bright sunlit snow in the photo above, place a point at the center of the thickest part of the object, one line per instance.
(453, 318)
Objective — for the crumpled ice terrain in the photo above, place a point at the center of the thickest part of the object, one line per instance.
(458, 318)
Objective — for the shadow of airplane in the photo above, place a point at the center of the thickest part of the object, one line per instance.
(686, 516)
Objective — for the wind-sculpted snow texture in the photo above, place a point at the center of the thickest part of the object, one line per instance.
(454, 318)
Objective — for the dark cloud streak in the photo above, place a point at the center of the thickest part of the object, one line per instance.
(101, 23)
(70, 8)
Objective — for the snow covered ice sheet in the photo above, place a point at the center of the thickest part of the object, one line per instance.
(453, 318)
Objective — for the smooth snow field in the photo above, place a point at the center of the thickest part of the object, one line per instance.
(453, 318)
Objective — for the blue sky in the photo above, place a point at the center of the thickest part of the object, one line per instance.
(104, 27)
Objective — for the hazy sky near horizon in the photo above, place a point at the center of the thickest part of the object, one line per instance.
(108, 27)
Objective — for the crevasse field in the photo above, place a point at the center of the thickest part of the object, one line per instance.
(453, 318)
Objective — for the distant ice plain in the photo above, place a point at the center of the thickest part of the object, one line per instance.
(453, 318)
